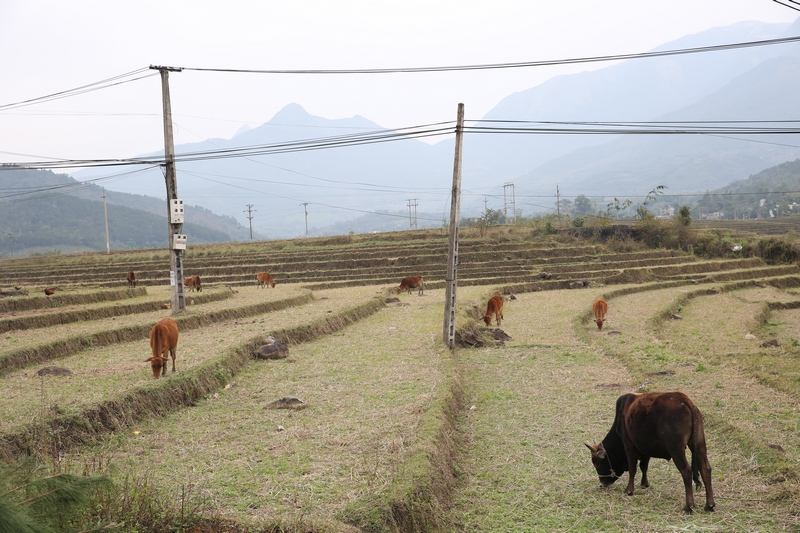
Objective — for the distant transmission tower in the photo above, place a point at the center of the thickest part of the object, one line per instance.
(509, 201)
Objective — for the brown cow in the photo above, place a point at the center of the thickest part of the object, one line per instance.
(411, 282)
(49, 292)
(655, 424)
(132, 281)
(193, 283)
(493, 307)
(164, 343)
(600, 308)
(265, 279)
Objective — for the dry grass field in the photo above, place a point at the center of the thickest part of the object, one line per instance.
(400, 434)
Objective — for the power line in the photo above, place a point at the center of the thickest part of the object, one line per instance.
(379, 136)
(524, 64)
(436, 129)
(796, 8)
(95, 86)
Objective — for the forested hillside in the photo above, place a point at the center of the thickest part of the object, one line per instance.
(38, 215)
(778, 186)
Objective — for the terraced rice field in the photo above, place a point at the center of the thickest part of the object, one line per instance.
(398, 433)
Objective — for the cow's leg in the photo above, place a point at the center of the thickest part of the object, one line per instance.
(172, 353)
(498, 316)
(163, 364)
(644, 463)
(699, 453)
(679, 458)
(633, 458)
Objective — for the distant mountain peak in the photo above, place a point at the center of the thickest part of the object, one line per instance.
(291, 112)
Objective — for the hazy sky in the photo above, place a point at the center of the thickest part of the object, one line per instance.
(48, 46)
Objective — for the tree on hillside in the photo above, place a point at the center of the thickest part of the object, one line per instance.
(684, 216)
(617, 206)
(583, 206)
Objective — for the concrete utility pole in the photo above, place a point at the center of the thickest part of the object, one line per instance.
(451, 282)
(410, 219)
(558, 202)
(177, 241)
(415, 204)
(249, 212)
(305, 206)
(105, 213)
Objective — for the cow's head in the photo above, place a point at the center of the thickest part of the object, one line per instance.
(487, 319)
(273, 284)
(602, 464)
(599, 322)
(159, 365)
(399, 289)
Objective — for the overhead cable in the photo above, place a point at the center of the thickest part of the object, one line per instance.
(95, 86)
(523, 64)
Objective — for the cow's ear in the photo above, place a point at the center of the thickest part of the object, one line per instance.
(600, 451)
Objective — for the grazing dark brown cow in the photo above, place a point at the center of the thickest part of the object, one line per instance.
(493, 307)
(164, 343)
(132, 281)
(265, 279)
(49, 292)
(655, 424)
(411, 282)
(600, 308)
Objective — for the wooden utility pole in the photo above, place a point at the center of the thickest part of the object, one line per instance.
(177, 241)
(451, 281)
(105, 214)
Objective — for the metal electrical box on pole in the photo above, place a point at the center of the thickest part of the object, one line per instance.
(176, 241)
(451, 283)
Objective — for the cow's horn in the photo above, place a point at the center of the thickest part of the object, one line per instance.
(589, 445)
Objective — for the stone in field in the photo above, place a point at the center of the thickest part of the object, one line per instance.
(288, 402)
(53, 371)
(767, 344)
(392, 300)
(750, 337)
(273, 349)
(498, 334)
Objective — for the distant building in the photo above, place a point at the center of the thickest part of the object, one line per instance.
(666, 212)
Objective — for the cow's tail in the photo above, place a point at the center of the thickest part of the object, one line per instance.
(697, 441)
